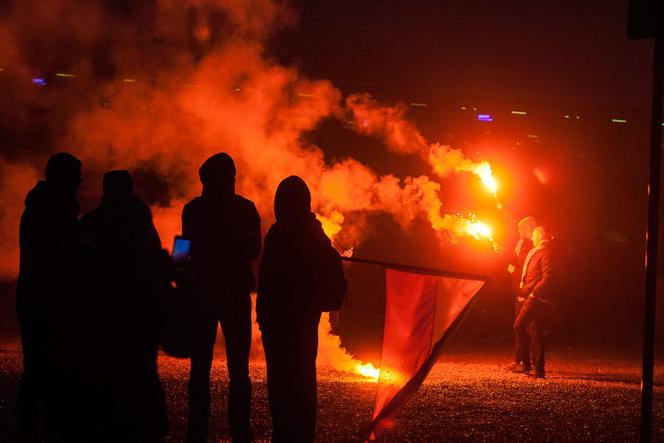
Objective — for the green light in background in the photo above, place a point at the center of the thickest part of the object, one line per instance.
(618, 120)
(519, 112)
(64, 74)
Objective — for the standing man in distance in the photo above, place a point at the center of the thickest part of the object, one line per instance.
(224, 229)
(523, 246)
(537, 288)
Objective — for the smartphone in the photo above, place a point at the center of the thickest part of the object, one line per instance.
(181, 247)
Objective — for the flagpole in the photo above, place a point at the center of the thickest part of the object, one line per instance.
(652, 241)
(417, 269)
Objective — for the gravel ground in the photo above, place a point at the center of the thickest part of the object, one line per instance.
(467, 397)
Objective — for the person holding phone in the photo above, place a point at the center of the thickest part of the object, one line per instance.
(225, 233)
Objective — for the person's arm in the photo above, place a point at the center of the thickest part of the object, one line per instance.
(252, 245)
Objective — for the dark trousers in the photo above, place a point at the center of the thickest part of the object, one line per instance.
(521, 342)
(290, 354)
(235, 319)
(32, 385)
(529, 327)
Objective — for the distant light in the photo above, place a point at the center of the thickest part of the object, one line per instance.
(484, 117)
(64, 74)
(305, 95)
(474, 109)
(618, 120)
(566, 116)
(39, 81)
(540, 175)
(129, 80)
(463, 108)
(578, 117)
(532, 136)
(2, 70)
(662, 123)
(519, 112)
(419, 105)
(237, 89)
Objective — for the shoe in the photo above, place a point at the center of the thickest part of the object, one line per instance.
(511, 366)
(519, 368)
(527, 371)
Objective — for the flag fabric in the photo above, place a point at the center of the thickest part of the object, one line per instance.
(421, 312)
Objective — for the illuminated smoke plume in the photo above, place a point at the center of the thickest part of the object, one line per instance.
(157, 87)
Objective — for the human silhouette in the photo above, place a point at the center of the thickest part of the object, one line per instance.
(46, 234)
(299, 271)
(225, 235)
(124, 267)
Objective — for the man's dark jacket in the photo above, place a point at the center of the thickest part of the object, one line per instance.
(538, 277)
(225, 236)
(46, 231)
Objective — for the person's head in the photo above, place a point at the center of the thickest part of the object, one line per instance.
(217, 175)
(539, 235)
(118, 186)
(292, 201)
(526, 226)
(63, 173)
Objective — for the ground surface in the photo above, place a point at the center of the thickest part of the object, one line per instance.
(466, 397)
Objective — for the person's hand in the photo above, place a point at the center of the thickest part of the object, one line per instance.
(511, 268)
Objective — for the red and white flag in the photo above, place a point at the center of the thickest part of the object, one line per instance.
(421, 312)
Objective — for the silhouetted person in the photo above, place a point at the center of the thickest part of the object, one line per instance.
(46, 236)
(124, 265)
(537, 288)
(224, 229)
(523, 246)
(299, 266)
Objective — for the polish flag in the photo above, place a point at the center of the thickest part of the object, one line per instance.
(422, 311)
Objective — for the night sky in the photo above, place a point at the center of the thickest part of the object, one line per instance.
(570, 51)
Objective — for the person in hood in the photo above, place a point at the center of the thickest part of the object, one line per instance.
(45, 237)
(299, 267)
(124, 267)
(225, 233)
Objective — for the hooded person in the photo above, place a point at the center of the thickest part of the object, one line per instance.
(124, 269)
(46, 236)
(300, 273)
(225, 234)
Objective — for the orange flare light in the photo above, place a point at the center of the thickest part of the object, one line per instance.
(367, 370)
(477, 230)
(483, 171)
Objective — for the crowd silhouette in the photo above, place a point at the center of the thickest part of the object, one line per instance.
(92, 292)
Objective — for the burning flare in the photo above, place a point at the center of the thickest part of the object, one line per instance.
(332, 353)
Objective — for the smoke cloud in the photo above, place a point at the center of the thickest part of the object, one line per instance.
(158, 87)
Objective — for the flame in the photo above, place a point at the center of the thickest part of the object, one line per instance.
(446, 160)
(483, 171)
(332, 353)
(367, 370)
(478, 229)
